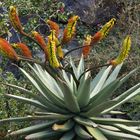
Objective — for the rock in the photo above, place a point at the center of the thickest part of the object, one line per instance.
(92, 12)
(83, 8)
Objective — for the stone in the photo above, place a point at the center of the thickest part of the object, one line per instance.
(94, 12)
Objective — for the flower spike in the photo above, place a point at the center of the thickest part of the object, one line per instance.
(90, 41)
(51, 48)
(86, 45)
(25, 49)
(41, 42)
(107, 27)
(7, 50)
(70, 29)
(103, 31)
(15, 21)
(53, 26)
(59, 50)
(123, 53)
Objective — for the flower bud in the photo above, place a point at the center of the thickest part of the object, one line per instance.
(7, 50)
(54, 26)
(41, 42)
(70, 30)
(51, 48)
(24, 49)
(13, 15)
(86, 46)
(123, 53)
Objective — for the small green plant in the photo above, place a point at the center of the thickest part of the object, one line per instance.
(70, 104)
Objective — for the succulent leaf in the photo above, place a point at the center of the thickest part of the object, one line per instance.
(81, 132)
(68, 136)
(96, 133)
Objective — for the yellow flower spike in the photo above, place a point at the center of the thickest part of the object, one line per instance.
(7, 50)
(52, 36)
(15, 21)
(51, 48)
(123, 53)
(107, 27)
(59, 50)
(86, 44)
(41, 42)
(70, 30)
(53, 26)
(24, 49)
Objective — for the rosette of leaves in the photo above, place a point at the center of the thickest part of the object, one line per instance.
(73, 106)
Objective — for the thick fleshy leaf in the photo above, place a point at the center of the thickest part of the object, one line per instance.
(68, 125)
(127, 129)
(68, 135)
(50, 95)
(55, 116)
(41, 135)
(74, 68)
(129, 94)
(49, 81)
(82, 132)
(118, 135)
(81, 67)
(33, 129)
(101, 82)
(44, 97)
(97, 78)
(85, 121)
(96, 133)
(21, 89)
(99, 108)
(103, 95)
(21, 119)
(69, 97)
(109, 127)
(110, 121)
(124, 79)
(28, 101)
(83, 93)
(113, 75)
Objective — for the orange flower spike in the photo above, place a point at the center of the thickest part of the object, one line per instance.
(25, 49)
(41, 42)
(96, 38)
(70, 30)
(51, 48)
(86, 45)
(13, 15)
(103, 32)
(53, 26)
(123, 53)
(7, 50)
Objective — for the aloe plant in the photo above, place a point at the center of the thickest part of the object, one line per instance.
(73, 107)
(69, 102)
